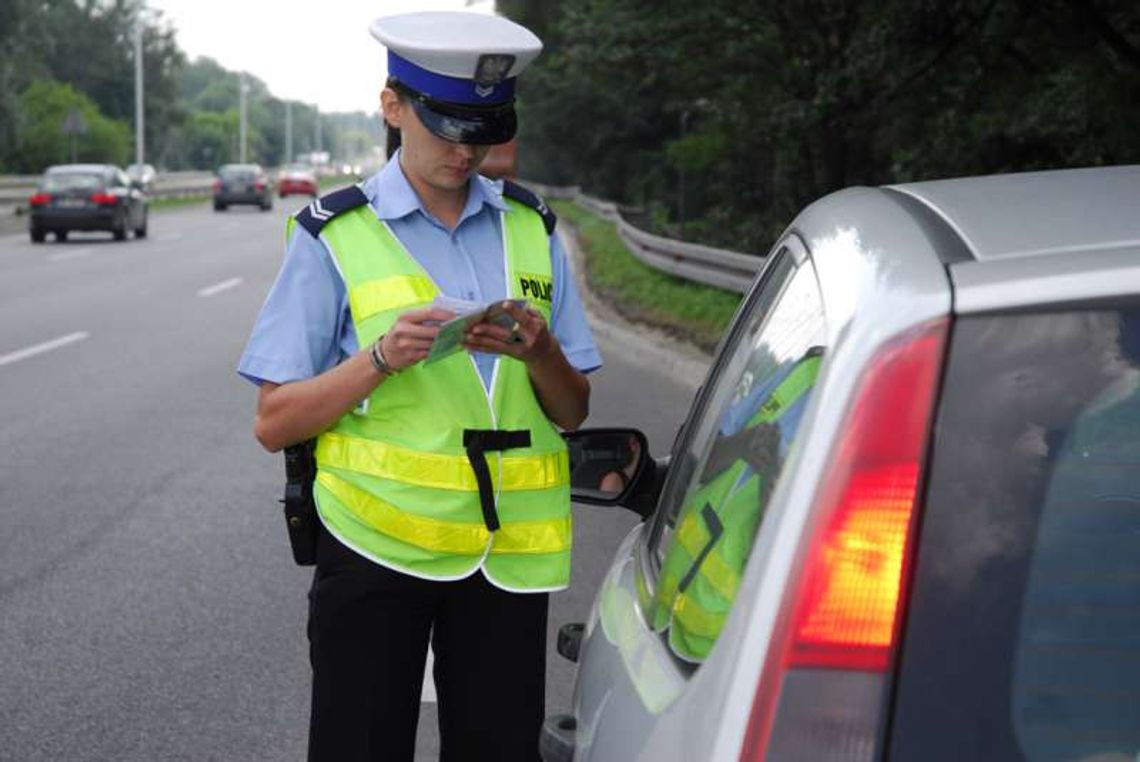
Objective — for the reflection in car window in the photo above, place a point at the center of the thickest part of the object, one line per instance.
(737, 452)
(1023, 641)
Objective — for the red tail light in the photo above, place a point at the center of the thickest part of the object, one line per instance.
(260, 186)
(105, 199)
(39, 199)
(821, 690)
(847, 610)
(217, 185)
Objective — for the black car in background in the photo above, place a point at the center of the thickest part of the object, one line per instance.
(242, 184)
(86, 197)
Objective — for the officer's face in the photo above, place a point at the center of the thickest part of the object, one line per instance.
(425, 156)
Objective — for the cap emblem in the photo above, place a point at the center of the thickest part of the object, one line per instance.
(490, 70)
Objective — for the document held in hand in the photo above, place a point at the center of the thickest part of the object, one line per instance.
(450, 338)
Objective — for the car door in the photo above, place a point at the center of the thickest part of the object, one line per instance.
(676, 578)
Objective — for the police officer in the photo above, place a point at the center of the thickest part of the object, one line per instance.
(442, 488)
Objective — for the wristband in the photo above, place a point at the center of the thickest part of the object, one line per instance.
(376, 355)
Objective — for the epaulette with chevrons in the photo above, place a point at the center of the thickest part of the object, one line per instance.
(322, 210)
(528, 198)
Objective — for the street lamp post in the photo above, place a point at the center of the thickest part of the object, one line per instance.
(140, 136)
(318, 136)
(288, 132)
(243, 88)
(681, 180)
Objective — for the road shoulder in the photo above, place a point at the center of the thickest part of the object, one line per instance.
(682, 361)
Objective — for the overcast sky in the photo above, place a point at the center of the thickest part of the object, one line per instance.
(316, 52)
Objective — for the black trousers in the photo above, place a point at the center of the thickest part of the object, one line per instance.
(368, 637)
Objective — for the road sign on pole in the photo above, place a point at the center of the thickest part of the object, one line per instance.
(73, 124)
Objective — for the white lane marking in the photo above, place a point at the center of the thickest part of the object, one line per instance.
(64, 255)
(168, 237)
(218, 288)
(428, 694)
(47, 346)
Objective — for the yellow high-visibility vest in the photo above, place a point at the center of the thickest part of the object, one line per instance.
(433, 475)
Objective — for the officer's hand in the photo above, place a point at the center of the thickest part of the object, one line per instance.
(529, 341)
(410, 337)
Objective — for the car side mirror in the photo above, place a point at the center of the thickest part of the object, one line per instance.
(614, 467)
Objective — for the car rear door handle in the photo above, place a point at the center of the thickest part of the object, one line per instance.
(570, 640)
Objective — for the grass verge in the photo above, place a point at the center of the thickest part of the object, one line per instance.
(173, 203)
(692, 311)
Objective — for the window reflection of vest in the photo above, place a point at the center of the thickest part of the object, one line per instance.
(398, 478)
(713, 538)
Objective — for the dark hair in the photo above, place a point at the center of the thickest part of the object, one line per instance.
(392, 141)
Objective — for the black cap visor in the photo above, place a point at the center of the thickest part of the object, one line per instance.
(473, 125)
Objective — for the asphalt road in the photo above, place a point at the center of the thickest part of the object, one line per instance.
(149, 607)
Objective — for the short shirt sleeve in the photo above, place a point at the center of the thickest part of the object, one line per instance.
(568, 318)
(303, 328)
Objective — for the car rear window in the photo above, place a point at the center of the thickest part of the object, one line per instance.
(63, 181)
(1023, 634)
(238, 173)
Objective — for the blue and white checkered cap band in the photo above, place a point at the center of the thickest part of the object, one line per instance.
(449, 89)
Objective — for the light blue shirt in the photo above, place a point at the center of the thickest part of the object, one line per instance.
(305, 327)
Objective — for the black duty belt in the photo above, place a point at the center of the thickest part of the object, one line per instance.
(480, 441)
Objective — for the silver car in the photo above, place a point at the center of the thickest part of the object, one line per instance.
(902, 520)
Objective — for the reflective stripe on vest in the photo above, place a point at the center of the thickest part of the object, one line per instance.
(395, 480)
(429, 469)
(448, 536)
(399, 292)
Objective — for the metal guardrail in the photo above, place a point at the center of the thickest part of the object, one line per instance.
(721, 268)
(16, 189)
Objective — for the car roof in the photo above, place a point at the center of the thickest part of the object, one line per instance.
(1032, 214)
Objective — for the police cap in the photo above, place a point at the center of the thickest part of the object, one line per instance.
(458, 70)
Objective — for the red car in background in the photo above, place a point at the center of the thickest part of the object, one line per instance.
(297, 179)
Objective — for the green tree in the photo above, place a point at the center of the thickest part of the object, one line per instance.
(90, 45)
(210, 139)
(756, 109)
(45, 106)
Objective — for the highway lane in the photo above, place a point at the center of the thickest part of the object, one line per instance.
(149, 608)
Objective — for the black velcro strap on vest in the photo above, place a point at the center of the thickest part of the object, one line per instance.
(527, 197)
(715, 529)
(321, 211)
(480, 441)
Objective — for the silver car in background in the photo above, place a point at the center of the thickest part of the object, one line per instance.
(902, 520)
